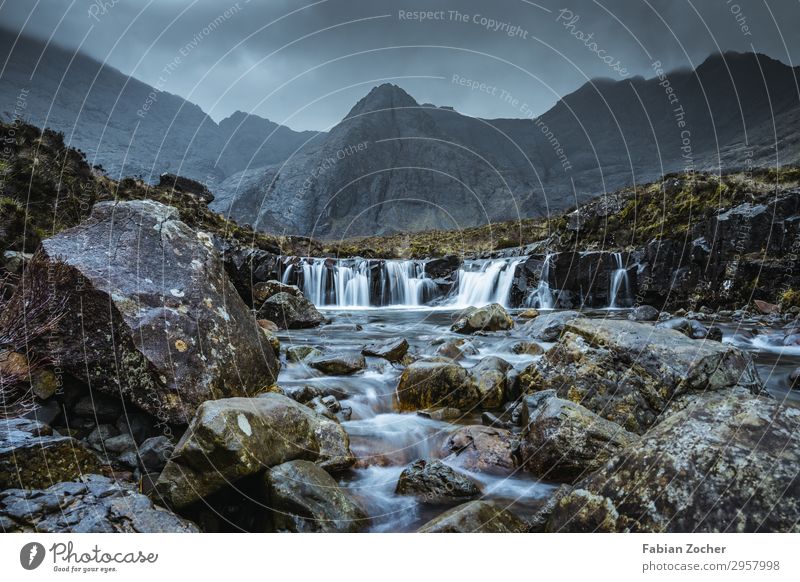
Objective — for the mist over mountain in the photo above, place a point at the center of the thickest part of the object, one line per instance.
(393, 164)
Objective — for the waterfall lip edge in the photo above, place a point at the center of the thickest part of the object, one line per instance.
(339, 284)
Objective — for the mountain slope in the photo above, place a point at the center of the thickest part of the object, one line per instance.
(393, 165)
(127, 126)
(423, 167)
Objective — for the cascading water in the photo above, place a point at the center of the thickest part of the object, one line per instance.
(349, 282)
(484, 282)
(542, 297)
(405, 283)
(620, 285)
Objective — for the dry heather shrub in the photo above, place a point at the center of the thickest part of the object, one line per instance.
(26, 320)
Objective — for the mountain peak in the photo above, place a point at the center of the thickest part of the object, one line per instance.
(385, 96)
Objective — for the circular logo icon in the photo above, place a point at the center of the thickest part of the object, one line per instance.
(31, 555)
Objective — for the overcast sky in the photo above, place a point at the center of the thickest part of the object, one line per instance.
(305, 63)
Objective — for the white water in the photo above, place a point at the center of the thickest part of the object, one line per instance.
(349, 283)
(620, 286)
(542, 298)
(362, 283)
(484, 282)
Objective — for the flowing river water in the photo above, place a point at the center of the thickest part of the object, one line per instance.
(385, 441)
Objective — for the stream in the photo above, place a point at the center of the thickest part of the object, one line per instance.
(385, 442)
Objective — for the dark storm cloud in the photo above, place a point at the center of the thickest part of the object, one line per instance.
(305, 63)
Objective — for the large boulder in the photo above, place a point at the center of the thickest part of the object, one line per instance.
(304, 498)
(629, 372)
(725, 463)
(232, 438)
(93, 504)
(489, 376)
(476, 517)
(148, 312)
(32, 457)
(488, 318)
(290, 311)
(564, 440)
(433, 482)
(483, 449)
(436, 384)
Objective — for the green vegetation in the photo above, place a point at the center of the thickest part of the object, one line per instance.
(790, 298)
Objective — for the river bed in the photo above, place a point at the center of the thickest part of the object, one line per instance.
(385, 441)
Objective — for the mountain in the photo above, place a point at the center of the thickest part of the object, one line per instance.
(393, 165)
(129, 127)
(425, 167)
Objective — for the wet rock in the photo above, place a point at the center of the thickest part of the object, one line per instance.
(442, 267)
(489, 376)
(93, 504)
(236, 437)
(527, 348)
(266, 289)
(338, 364)
(441, 413)
(714, 333)
(476, 517)
(489, 318)
(304, 498)
(766, 308)
(300, 353)
(628, 372)
(134, 272)
(435, 483)
(32, 457)
(528, 314)
(548, 327)
(302, 394)
(154, 453)
(564, 440)
(725, 463)
(392, 349)
(434, 384)
(644, 313)
(457, 349)
(483, 449)
(688, 327)
(794, 379)
(290, 311)
(329, 407)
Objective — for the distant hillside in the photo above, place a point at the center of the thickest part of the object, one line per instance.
(393, 165)
(129, 127)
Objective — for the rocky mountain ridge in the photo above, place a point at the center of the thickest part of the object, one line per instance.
(393, 165)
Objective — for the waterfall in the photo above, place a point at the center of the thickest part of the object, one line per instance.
(484, 282)
(542, 297)
(620, 286)
(405, 283)
(350, 282)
